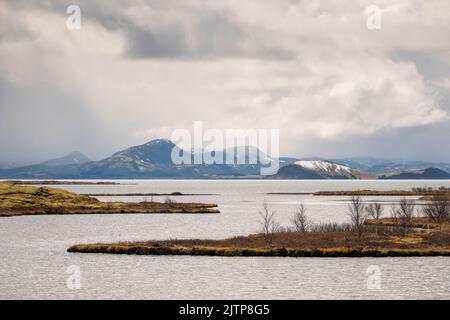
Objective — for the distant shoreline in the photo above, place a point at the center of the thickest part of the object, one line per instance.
(58, 182)
(172, 194)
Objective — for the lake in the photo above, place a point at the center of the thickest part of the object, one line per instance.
(34, 261)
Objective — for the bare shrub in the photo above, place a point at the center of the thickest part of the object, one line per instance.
(169, 200)
(404, 213)
(268, 223)
(358, 215)
(331, 227)
(375, 210)
(300, 220)
(438, 209)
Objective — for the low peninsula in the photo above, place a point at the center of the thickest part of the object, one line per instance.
(383, 238)
(61, 182)
(425, 192)
(17, 200)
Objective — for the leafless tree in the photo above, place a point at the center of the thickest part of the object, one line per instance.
(358, 215)
(268, 223)
(375, 210)
(404, 213)
(438, 209)
(300, 220)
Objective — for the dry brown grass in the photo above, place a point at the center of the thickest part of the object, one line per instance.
(386, 241)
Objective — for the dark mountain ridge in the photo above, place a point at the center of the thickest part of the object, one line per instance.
(153, 160)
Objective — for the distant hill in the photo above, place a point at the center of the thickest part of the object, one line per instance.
(8, 165)
(429, 173)
(62, 167)
(317, 169)
(383, 166)
(75, 157)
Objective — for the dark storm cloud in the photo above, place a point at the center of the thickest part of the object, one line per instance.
(184, 31)
(211, 35)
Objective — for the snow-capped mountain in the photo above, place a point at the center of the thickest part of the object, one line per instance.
(325, 167)
(153, 152)
(317, 169)
(242, 155)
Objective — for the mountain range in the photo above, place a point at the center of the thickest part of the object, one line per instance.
(153, 160)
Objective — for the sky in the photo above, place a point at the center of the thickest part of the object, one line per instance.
(137, 70)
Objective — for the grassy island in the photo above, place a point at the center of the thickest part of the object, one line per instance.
(383, 238)
(424, 192)
(16, 200)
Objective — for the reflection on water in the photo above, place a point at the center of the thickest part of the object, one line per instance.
(33, 257)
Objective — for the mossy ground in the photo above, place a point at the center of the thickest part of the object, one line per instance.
(28, 200)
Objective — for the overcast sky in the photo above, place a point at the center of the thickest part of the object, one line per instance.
(137, 70)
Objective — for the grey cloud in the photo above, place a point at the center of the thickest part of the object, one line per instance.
(426, 143)
(263, 66)
(147, 44)
(428, 63)
(213, 34)
(38, 122)
(13, 29)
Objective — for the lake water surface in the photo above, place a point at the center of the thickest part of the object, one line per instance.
(34, 261)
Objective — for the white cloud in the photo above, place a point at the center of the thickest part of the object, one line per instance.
(310, 68)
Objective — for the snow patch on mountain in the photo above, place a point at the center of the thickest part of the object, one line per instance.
(324, 166)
